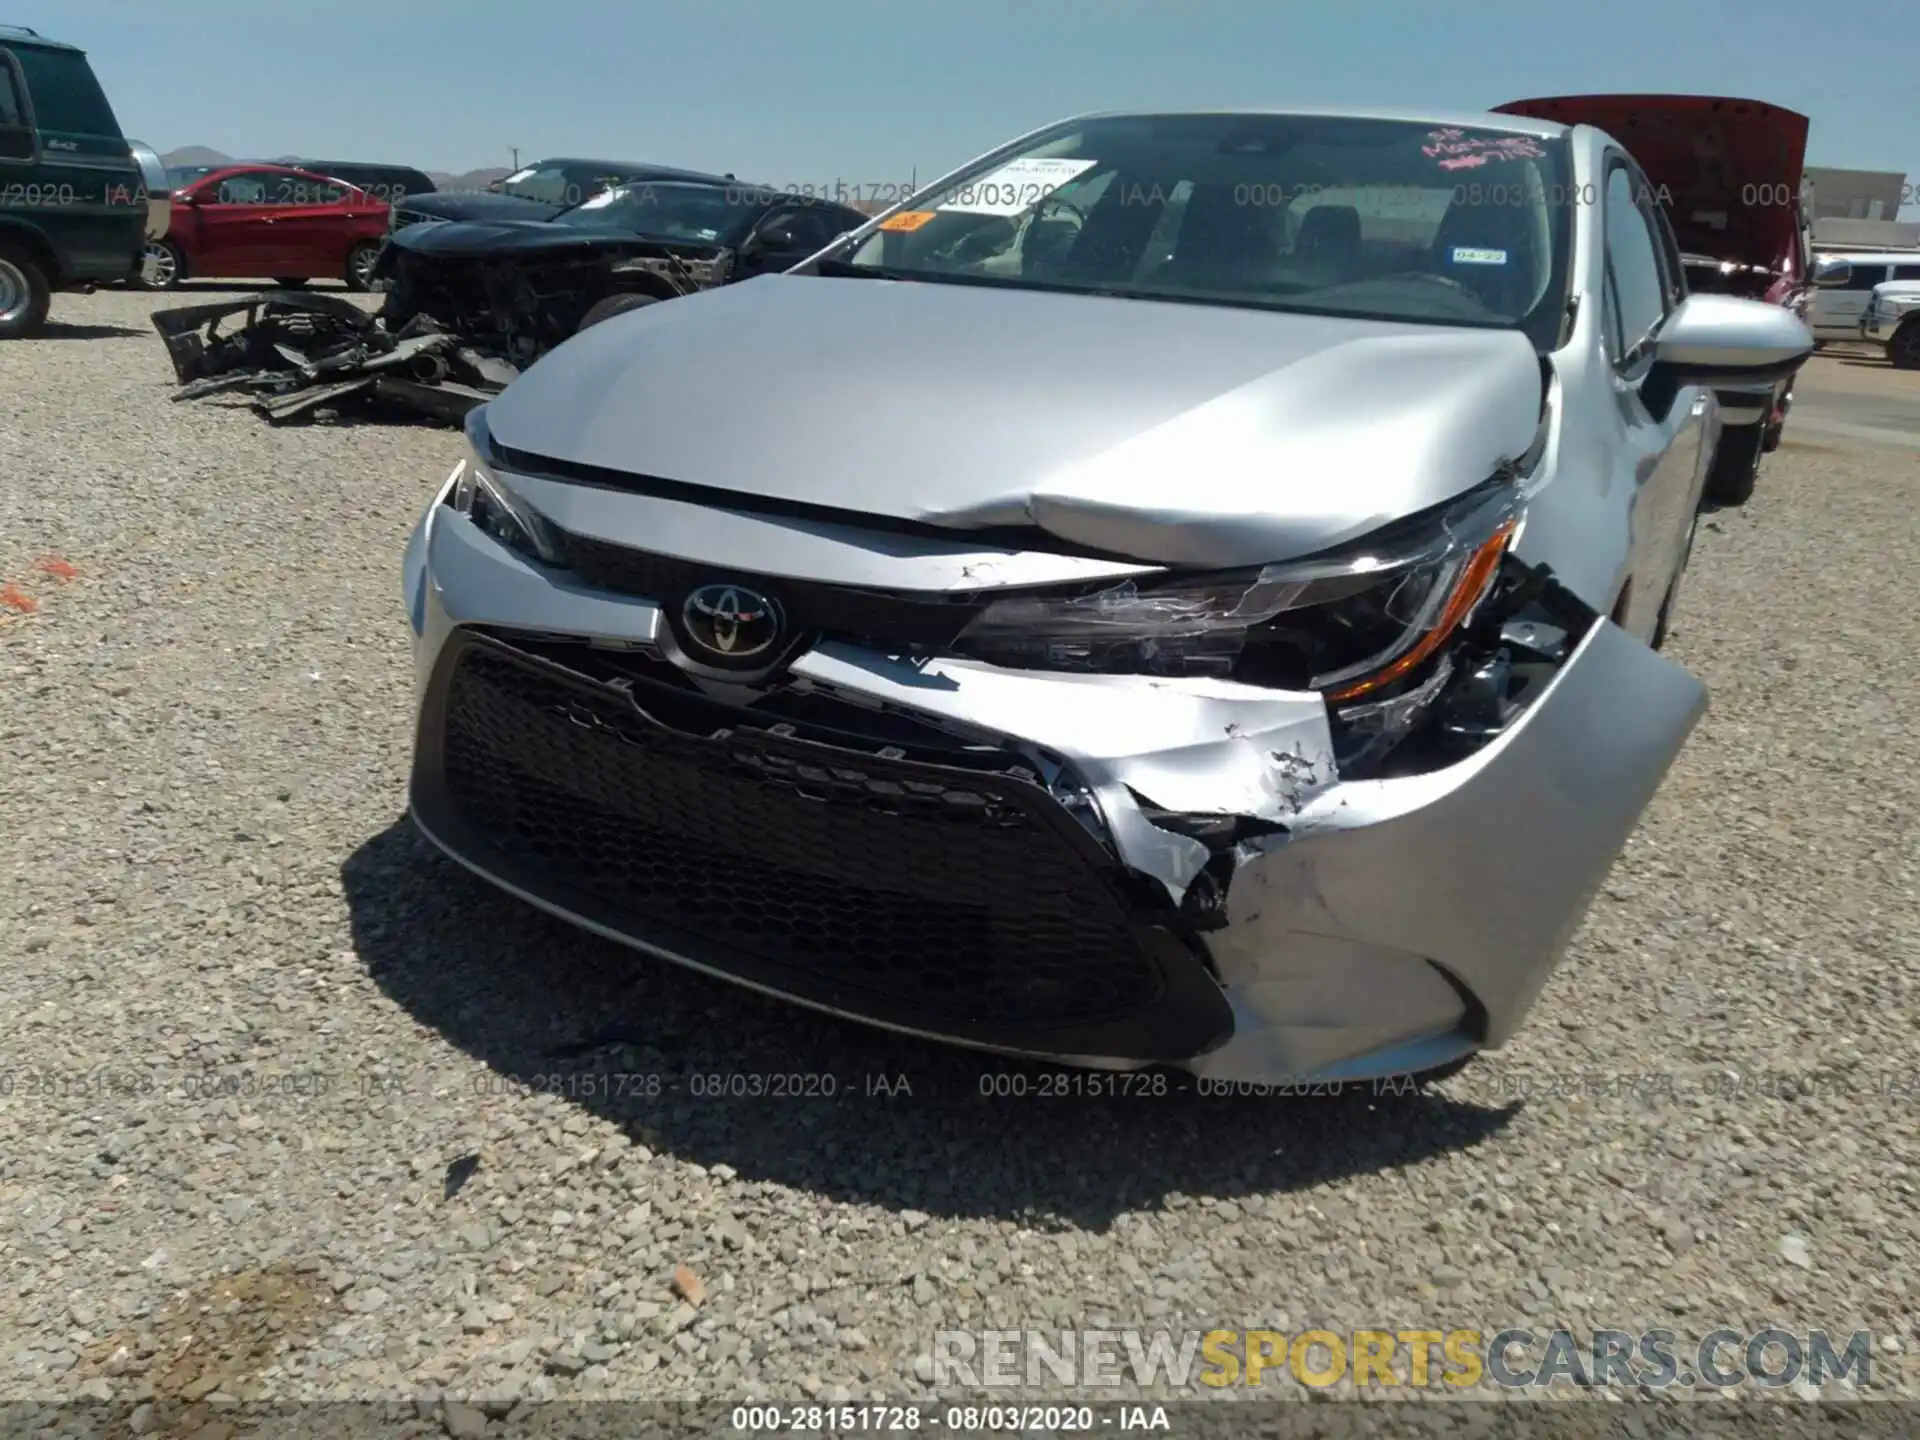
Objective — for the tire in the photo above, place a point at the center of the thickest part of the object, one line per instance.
(24, 293)
(1770, 442)
(288, 283)
(359, 272)
(1736, 464)
(173, 266)
(611, 306)
(1903, 349)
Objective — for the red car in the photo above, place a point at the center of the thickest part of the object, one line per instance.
(1729, 173)
(267, 221)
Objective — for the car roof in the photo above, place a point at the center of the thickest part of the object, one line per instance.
(589, 160)
(766, 194)
(696, 182)
(360, 165)
(1464, 119)
(21, 35)
(237, 165)
(630, 167)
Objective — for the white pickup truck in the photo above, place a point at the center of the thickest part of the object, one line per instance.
(1892, 320)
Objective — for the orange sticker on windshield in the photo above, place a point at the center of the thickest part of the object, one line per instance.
(907, 220)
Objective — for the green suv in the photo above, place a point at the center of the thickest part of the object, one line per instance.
(78, 202)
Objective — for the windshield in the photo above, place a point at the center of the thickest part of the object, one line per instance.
(555, 184)
(545, 183)
(181, 176)
(1386, 219)
(709, 214)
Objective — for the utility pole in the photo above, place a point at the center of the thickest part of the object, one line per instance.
(516, 155)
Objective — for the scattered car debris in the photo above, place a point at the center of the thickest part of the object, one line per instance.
(302, 352)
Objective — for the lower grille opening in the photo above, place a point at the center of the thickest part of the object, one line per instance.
(949, 897)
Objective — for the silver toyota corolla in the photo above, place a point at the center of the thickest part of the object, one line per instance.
(1183, 589)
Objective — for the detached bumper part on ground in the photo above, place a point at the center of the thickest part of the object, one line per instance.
(298, 354)
(1113, 874)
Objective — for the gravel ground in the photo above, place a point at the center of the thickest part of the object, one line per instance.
(279, 1079)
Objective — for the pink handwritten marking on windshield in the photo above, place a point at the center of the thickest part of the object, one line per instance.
(1470, 153)
(1514, 145)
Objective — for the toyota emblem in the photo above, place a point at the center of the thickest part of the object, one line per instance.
(731, 622)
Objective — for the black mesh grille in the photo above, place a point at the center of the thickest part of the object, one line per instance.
(961, 898)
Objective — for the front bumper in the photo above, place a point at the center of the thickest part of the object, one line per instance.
(1366, 928)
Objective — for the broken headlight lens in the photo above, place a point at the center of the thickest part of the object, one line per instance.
(479, 495)
(1348, 624)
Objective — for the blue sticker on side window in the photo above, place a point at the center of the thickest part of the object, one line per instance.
(1466, 255)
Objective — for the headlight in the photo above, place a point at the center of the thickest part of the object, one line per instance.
(481, 496)
(1348, 624)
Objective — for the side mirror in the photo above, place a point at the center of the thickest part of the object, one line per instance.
(1829, 271)
(778, 238)
(1720, 340)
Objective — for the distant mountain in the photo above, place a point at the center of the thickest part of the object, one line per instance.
(195, 155)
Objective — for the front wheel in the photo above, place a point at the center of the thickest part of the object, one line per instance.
(614, 305)
(1736, 464)
(1903, 350)
(24, 294)
(359, 276)
(163, 266)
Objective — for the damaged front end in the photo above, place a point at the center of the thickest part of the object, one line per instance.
(1328, 820)
(1382, 856)
(1377, 887)
(300, 353)
(524, 302)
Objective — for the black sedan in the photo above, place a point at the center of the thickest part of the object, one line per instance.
(523, 286)
(540, 191)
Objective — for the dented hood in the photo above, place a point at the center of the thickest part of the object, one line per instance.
(477, 237)
(477, 205)
(538, 237)
(1167, 433)
(1712, 154)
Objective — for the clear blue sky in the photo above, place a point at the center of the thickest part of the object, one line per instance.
(805, 91)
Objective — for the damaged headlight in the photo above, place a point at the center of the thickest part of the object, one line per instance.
(1348, 624)
(489, 503)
